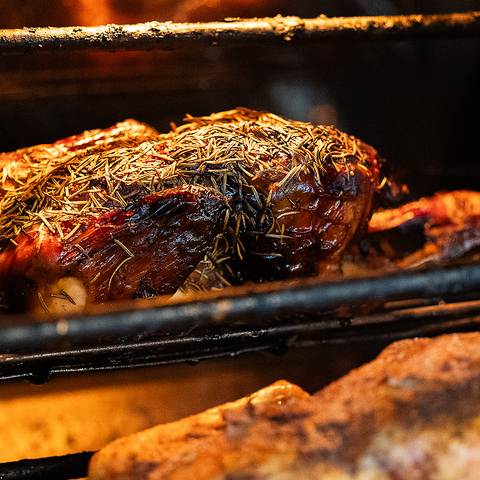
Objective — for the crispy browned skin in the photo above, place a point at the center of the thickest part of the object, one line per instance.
(290, 199)
(450, 222)
(316, 221)
(412, 413)
(146, 249)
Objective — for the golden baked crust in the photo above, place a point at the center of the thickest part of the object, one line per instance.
(413, 413)
(196, 447)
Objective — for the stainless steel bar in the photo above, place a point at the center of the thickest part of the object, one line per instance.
(234, 32)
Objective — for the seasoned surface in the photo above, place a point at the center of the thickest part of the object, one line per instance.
(285, 199)
(413, 413)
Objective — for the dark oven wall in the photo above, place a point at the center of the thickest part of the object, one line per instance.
(416, 101)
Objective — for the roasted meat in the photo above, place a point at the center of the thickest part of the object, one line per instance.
(412, 413)
(163, 236)
(263, 198)
(446, 225)
(446, 208)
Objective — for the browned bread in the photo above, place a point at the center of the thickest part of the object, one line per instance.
(413, 413)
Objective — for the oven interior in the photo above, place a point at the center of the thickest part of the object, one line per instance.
(414, 99)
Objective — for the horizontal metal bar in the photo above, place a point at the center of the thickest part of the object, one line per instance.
(194, 347)
(260, 306)
(233, 32)
(63, 467)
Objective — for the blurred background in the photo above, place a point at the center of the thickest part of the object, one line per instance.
(416, 101)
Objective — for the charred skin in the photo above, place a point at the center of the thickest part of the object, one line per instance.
(314, 224)
(146, 249)
(254, 196)
(302, 224)
(449, 222)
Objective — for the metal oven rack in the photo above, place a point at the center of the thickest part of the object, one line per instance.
(271, 317)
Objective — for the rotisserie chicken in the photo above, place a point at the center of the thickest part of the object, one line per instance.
(129, 213)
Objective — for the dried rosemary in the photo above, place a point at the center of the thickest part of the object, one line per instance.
(56, 190)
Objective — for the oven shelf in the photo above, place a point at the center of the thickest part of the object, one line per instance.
(273, 317)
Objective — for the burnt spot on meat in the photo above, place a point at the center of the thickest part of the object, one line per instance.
(294, 197)
(144, 250)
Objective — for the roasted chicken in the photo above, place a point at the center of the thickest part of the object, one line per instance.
(128, 213)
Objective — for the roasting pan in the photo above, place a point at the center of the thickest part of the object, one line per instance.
(272, 317)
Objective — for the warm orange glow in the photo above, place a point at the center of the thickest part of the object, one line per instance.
(93, 12)
(102, 12)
